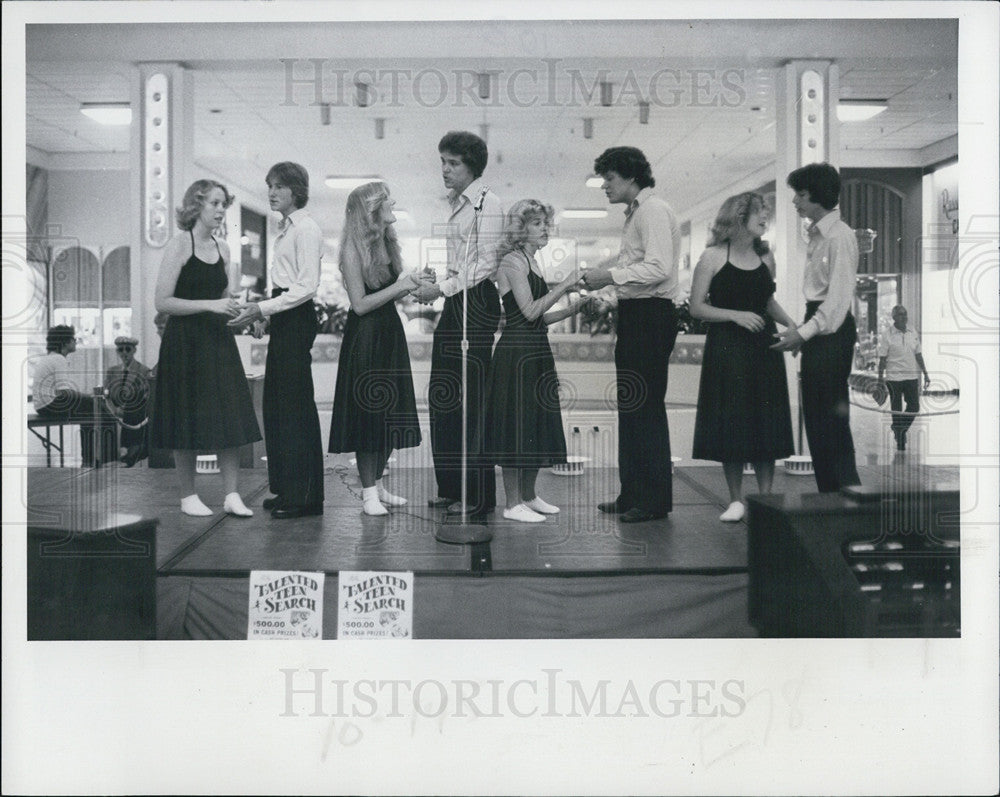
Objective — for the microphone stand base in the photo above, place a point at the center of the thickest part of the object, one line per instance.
(457, 530)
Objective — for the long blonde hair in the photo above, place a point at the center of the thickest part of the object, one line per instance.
(365, 235)
(733, 216)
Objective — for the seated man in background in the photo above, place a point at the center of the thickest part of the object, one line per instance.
(127, 387)
(56, 395)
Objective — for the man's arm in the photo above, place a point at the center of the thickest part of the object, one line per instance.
(487, 227)
(654, 223)
(843, 264)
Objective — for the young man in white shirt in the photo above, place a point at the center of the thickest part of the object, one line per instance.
(57, 396)
(899, 358)
(828, 334)
(475, 223)
(291, 423)
(646, 283)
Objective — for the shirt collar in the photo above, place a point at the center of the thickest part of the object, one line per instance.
(471, 192)
(292, 218)
(641, 197)
(824, 225)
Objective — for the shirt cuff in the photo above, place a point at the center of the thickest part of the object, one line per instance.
(619, 275)
(450, 286)
(269, 307)
(809, 329)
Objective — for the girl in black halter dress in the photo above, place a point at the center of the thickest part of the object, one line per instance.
(523, 425)
(202, 401)
(743, 412)
(374, 409)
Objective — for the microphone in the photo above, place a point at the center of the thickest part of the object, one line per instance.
(478, 207)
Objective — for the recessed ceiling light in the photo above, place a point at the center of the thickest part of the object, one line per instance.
(595, 182)
(583, 213)
(108, 113)
(860, 110)
(348, 183)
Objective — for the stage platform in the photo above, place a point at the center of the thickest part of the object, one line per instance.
(580, 574)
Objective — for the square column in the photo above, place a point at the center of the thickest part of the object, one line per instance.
(161, 166)
(807, 131)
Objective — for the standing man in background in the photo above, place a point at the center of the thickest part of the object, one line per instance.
(646, 283)
(899, 357)
(291, 423)
(828, 335)
(475, 223)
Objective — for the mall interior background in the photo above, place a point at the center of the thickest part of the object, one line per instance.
(708, 102)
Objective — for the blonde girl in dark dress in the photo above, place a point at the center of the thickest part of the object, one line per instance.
(202, 402)
(374, 409)
(523, 426)
(743, 413)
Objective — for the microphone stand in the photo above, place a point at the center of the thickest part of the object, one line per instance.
(458, 530)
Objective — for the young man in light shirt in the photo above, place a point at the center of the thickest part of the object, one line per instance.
(56, 395)
(645, 279)
(828, 334)
(475, 222)
(291, 423)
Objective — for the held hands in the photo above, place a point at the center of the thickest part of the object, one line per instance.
(226, 306)
(596, 278)
(789, 340)
(424, 286)
(748, 320)
(245, 314)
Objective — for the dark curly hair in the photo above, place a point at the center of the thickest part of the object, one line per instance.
(628, 162)
(469, 147)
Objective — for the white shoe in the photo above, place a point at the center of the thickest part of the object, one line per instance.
(234, 506)
(372, 506)
(388, 498)
(542, 507)
(192, 505)
(522, 514)
(734, 513)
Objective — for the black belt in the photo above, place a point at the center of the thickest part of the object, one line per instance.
(648, 299)
(812, 307)
(276, 291)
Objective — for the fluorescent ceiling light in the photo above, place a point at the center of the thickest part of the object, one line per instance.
(860, 110)
(595, 182)
(583, 213)
(108, 113)
(349, 183)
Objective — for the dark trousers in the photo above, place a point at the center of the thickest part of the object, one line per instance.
(647, 329)
(900, 390)
(826, 365)
(291, 423)
(445, 396)
(72, 407)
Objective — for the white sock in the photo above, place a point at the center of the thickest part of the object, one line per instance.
(234, 506)
(733, 513)
(372, 506)
(542, 507)
(192, 505)
(388, 498)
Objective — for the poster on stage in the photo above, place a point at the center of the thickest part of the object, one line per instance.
(375, 605)
(285, 604)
